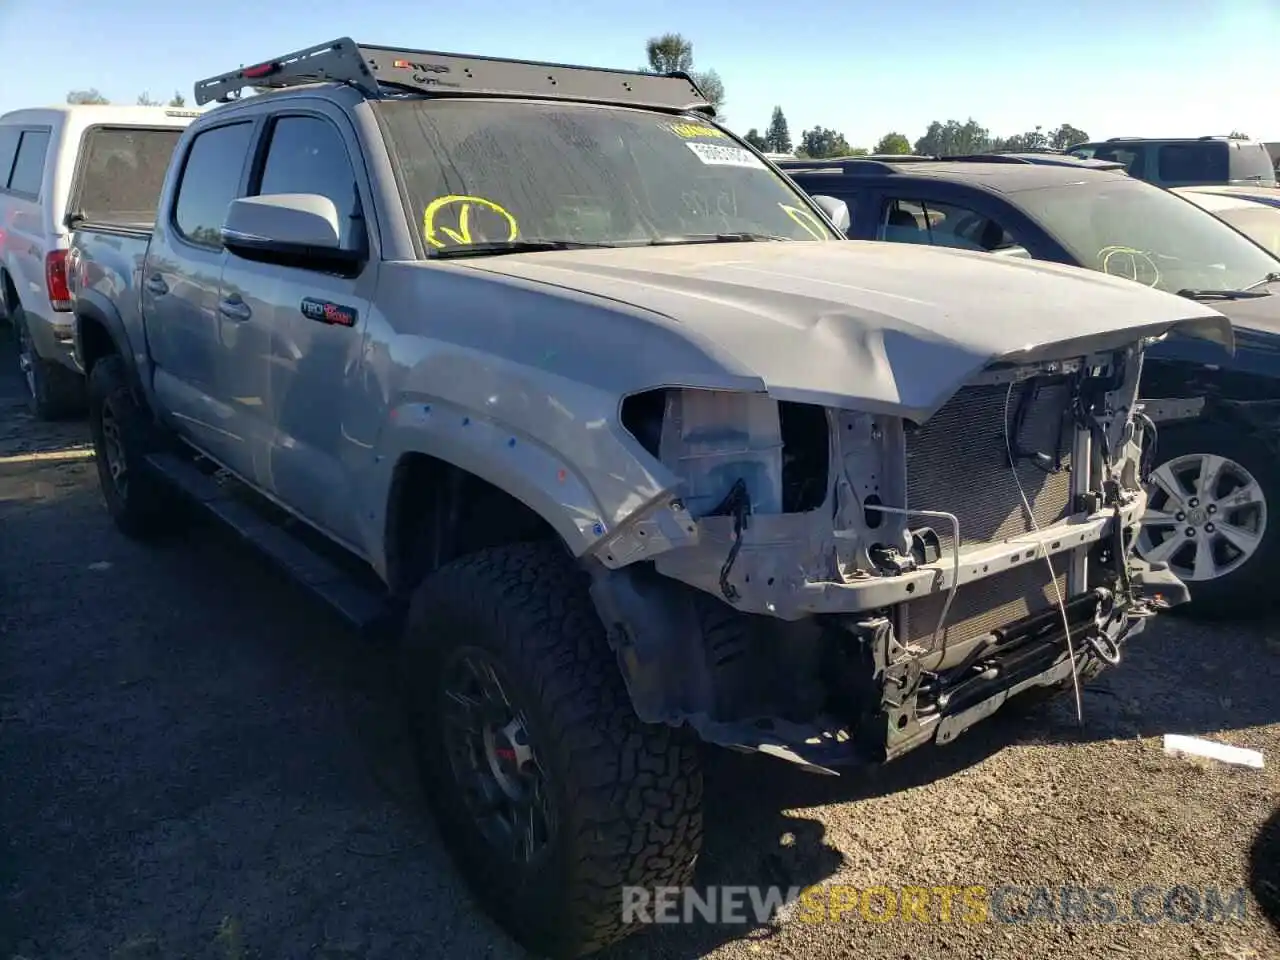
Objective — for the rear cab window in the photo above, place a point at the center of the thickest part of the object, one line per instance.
(121, 172)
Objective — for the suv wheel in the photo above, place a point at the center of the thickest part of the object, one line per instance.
(551, 795)
(53, 391)
(123, 436)
(1211, 516)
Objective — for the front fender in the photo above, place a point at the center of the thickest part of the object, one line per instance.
(585, 498)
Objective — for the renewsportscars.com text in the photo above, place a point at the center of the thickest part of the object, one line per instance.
(1002, 904)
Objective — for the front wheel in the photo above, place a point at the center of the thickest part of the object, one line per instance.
(552, 796)
(1210, 516)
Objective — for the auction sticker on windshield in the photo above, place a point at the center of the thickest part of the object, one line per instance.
(717, 154)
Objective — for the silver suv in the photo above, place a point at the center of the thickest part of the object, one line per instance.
(1185, 162)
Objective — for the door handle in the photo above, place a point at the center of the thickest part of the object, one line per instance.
(234, 308)
(155, 284)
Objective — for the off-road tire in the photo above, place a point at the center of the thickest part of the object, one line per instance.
(145, 509)
(54, 392)
(627, 795)
(1247, 590)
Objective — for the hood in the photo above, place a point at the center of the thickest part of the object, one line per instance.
(889, 328)
(1256, 314)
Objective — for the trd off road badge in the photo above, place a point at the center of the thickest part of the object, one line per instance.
(323, 311)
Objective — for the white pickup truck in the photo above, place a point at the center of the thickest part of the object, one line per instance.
(60, 166)
(549, 359)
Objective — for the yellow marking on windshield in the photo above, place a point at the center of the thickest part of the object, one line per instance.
(807, 221)
(1135, 258)
(691, 130)
(464, 204)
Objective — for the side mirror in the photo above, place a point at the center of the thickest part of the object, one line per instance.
(836, 210)
(290, 229)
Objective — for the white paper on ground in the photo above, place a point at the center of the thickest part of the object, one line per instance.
(1176, 743)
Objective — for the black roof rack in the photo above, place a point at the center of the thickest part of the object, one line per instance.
(886, 163)
(1210, 136)
(377, 70)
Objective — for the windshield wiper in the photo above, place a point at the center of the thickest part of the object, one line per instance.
(715, 238)
(1271, 277)
(489, 247)
(1251, 292)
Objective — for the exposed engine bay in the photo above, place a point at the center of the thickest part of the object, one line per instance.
(833, 587)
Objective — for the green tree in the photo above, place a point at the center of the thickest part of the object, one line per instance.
(753, 137)
(672, 53)
(954, 138)
(86, 96)
(145, 101)
(178, 100)
(778, 137)
(1065, 136)
(894, 143)
(820, 143)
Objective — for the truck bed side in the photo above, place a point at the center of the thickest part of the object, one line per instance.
(104, 272)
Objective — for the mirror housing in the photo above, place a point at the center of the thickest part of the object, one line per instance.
(289, 229)
(836, 210)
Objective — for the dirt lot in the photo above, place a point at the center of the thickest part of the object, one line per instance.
(196, 762)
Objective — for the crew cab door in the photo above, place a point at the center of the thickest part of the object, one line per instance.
(304, 328)
(189, 337)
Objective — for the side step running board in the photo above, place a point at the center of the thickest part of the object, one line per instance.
(365, 609)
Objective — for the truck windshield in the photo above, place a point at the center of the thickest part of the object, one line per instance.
(122, 172)
(1135, 230)
(489, 174)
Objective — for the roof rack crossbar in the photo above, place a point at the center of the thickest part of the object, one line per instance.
(375, 70)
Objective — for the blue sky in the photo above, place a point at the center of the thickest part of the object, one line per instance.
(1139, 67)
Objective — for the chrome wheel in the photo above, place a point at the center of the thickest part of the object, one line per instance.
(1206, 517)
(113, 451)
(503, 785)
(27, 358)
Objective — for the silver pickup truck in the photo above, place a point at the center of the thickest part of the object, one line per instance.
(549, 369)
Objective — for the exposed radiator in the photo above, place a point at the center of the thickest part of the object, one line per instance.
(957, 462)
(984, 605)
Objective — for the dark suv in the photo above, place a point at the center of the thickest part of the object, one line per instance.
(1215, 484)
(1186, 162)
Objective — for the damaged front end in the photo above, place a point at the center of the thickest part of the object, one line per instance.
(833, 587)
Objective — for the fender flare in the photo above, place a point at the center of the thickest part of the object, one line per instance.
(93, 307)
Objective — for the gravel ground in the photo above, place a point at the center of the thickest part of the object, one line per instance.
(197, 762)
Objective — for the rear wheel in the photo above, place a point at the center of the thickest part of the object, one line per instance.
(123, 437)
(1209, 516)
(551, 794)
(53, 391)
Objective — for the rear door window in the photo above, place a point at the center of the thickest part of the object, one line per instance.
(122, 171)
(1186, 163)
(28, 167)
